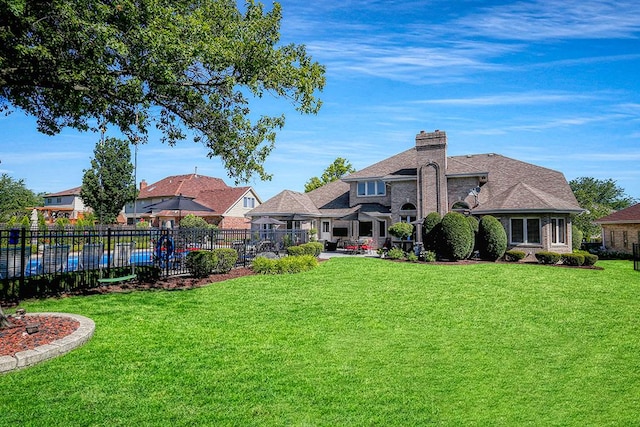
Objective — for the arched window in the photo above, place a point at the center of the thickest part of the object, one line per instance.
(408, 207)
(460, 206)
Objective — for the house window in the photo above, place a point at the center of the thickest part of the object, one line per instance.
(325, 226)
(525, 230)
(625, 239)
(382, 228)
(408, 207)
(365, 229)
(558, 231)
(612, 238)
(249, 202)
(371, 188)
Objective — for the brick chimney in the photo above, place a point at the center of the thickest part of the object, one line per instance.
(143, 185)
(431, 149)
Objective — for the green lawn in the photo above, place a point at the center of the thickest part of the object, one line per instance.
(357, 341)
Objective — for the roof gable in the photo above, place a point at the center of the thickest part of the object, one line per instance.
(190, 185)
(627, 215)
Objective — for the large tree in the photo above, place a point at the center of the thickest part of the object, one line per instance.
(333, 172)
(16, 198)
(109, 184)
(600, 198)
(174, 64)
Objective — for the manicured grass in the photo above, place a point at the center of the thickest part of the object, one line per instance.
(356, 341)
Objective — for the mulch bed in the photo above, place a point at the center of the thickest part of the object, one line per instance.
(49, 328)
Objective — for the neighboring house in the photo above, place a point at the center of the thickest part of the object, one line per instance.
(228, 204)
(64, 204)
(621, 229)
(533, 203)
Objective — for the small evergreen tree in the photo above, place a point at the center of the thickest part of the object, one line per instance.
(492, 238)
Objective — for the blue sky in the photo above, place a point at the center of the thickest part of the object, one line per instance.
(554, 83)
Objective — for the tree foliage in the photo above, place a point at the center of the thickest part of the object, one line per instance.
(109, 185)
(336, 170)
(16, 198)
(180, 64)
(600, 198)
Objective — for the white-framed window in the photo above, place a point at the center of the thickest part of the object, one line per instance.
(371, 188)
(558, 231)
(249, 202)
(525, 230)
(325, 226)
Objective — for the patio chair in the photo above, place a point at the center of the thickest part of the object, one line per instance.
(122, 254)
(11, 264)
(91, 256)
(55, 258)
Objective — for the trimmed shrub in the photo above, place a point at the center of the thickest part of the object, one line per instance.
(412, 257)
(574, 259)
(286, 265)
(456, 236)
(514, 255)
(589, 258)
(395, 253)
(429, 256)
(315, 248)
(576, 237)
(492, 238)
(263, 265)
(296, 251)
(311, 248)
(199, 263)
(223, 259)
(430, 230)
(545, 257)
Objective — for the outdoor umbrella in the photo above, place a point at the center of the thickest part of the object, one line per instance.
(178, 203)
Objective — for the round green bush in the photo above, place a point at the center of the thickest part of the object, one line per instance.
(545, 257)
(514, 255)
(430, 229)
(199, 263)
(456, 237)
(492, 238)
(589, 258)
(574, 259)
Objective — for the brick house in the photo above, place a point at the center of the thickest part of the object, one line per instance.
(64, 204)
(621, 229)
(228, 204)
(533, 203)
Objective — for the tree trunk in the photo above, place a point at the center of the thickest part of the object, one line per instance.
(4, 320)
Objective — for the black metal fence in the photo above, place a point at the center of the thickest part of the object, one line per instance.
(47, 262)
(636, 256)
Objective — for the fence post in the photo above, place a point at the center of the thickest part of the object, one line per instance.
(23, 260)
(108, 251)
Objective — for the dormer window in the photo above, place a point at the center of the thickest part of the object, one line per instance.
(371, 188)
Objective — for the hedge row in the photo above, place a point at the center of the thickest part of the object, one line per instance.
(289, 264)
(312, 248)
(576, 258)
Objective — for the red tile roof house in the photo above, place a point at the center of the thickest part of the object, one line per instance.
(621, 229)
(229, 204)
(533, 203)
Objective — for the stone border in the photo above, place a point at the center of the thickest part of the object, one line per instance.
(56, 348)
